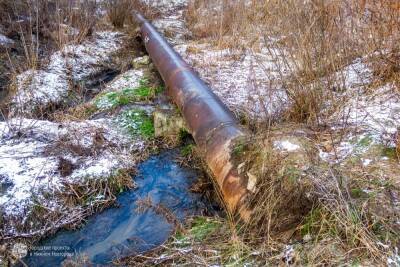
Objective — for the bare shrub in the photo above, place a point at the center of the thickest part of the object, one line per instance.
(313, 39)
(39, 27)
(117, 11)
(74, 21)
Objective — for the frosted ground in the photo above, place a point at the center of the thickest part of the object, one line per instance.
(244, 83)
(36, 89)
(360, 136)
(40, 160)
(250, 83)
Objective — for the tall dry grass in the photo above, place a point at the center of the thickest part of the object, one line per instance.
(314, 40)
(39, 27)
(311, 38)
(119, 11)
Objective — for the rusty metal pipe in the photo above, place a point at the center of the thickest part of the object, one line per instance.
(211, 123)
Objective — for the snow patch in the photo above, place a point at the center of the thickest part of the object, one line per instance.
(128, 79)
(288, 254)
(40, 88)
(394, 260)
(352, 145)
(30, 153)
(355, 75)
(5, 41)
(245, 85)
(378, 113)
(366, 162)
(286, 145)
(86, 59)
(173, 28)
(166, 6)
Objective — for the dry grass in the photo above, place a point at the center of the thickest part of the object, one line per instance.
(38, 28)
(297, 202)
(312, 39)
(298, 198)
(118, 11)
(41, 26)
(72, 22)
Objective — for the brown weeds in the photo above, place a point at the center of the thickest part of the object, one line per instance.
(313, 39)
(118, 11)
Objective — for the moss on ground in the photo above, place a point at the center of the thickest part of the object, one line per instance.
(137, 122)
(200, 229)
(187, 150)
(111, 100)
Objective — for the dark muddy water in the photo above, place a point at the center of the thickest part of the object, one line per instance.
(122, 230)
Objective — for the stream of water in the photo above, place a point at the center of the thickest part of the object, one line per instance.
(122, 230)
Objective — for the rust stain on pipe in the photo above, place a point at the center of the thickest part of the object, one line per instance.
(211, 123)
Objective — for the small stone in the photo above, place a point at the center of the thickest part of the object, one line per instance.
(167, 122)
(6, 42)
(240, 167)
(141, 62)
(251, 183)
(307, 238)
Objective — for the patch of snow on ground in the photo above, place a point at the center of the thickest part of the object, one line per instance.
(250, 84)
(30, 152)
(366, 162)
(355, 75)
(166, 6)
(288, 254)
(378, 113)
(286, 145)
(128, 79)
(87, 58)
(173, 28)
(39, 88)
(5, 41)
(373, 112)
(171, 23)
(394, 260)
(352, 145)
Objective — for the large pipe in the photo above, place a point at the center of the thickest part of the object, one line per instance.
(211, 123)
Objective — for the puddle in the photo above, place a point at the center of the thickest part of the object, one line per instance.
(121, 230)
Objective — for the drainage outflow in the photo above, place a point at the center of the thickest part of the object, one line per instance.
(211, 123)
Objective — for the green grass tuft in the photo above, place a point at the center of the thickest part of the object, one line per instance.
(389, 152)
(203, 227)
(187, 150)
(200, 229)
(111, 100)
(137, 122)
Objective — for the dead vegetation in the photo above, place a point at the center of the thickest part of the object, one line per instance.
(309, 40)
(39, 27)
(322, 210)
(328, 212)
(304, 212)
(75, 199)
